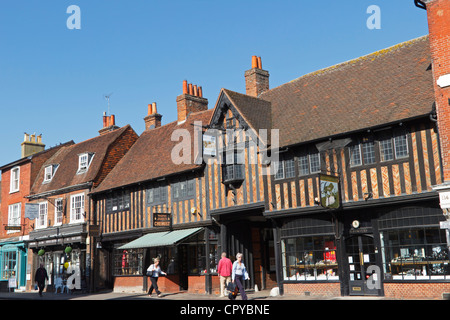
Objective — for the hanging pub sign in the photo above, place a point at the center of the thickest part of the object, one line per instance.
(31, 210)
(209, 145)
(329, 192)
(162, 219)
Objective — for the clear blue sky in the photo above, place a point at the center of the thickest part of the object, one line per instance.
(53, 80)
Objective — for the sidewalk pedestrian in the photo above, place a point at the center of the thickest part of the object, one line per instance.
(40, 277)
(239, 274)
(224, 269)
(154, 272)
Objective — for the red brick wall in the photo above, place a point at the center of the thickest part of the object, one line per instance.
(196, 284)
(415, 290)
(439, 28)
(314, 289)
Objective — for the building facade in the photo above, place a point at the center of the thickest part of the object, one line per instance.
(64, 223)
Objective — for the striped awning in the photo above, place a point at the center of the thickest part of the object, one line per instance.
(160, 239)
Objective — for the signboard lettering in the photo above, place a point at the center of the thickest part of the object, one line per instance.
(162, 219)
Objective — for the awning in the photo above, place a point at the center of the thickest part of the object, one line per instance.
(160, 239)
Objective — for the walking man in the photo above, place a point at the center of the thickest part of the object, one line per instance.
(40, 277)
(224, 271)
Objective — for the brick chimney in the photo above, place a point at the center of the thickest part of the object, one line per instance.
(31, 144)
(153, 119)
(190, 101)
(438, 12)
(256, 79)
(109, 124)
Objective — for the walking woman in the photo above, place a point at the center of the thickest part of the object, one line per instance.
(239, 274)
(154, 271)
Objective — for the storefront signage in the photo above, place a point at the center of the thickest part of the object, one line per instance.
(13, 228)
(31, 210)
(162, 219)
(329, 192)
(445, 224)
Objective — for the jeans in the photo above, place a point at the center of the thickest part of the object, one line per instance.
(240, 283)
(154, 281)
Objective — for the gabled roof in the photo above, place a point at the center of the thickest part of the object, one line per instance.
(388, 86)
(67, 159)
(150, 157)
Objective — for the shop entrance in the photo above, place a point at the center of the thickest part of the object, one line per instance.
(364, 275)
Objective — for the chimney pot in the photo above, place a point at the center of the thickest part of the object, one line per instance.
(185, 87)
(254, 62)
(259, 63)
(200, 92)
(113, 120)
(190, 89)
(150, 107)
(154, 111)
(195, 91)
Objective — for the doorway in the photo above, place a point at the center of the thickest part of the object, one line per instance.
(364, 275)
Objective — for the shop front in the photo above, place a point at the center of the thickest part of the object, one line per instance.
(13, 264)
(62, 251)
(188, 256)
(380, 251)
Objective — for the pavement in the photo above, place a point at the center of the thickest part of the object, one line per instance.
(263, 295)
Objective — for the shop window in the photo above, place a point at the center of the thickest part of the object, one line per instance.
(128, 262)
(415, 254)
(168, 259)
(196, 254)
(9, 265)
(309, 258)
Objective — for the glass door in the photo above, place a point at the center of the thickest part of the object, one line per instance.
(363, 275)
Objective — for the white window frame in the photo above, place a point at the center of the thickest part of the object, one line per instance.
(14, 216)
(41, 221)
(14, 184)
(84, 161)
(48, 174)
(59, 213)
(77, 213)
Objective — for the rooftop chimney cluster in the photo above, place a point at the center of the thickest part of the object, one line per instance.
(153, 118)
(192, 90)
(32, 144)
(256, 79)
(109, 124)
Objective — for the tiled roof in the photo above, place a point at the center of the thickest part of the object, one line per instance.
(384, 87)
(150, 157)
(67, 159)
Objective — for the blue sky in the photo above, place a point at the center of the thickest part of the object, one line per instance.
(53, 79)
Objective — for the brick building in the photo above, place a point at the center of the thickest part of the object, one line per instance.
(65, 223)
(17, 179)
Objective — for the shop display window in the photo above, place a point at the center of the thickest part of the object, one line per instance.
(196, 254)
(9, 263)
(169, 259)
(128, 262)
(309, 258)
(415, 254)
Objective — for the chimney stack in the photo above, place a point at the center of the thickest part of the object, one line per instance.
(256, 79)
(109, 124)
(31, 144)
(153, 118)
(190, 101)
(438, 13)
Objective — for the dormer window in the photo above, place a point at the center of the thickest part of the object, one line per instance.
(84, 161)
(50, 172)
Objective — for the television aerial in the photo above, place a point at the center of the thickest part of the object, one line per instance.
(107, 96)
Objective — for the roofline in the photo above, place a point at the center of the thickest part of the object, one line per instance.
(349, 62)
(59, 191)
(24, 159)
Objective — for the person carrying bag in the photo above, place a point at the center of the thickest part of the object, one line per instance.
(154, 272)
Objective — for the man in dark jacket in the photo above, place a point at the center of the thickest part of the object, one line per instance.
(40, 276)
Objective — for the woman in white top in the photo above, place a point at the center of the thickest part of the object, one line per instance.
(239, 274)
(154, 271)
